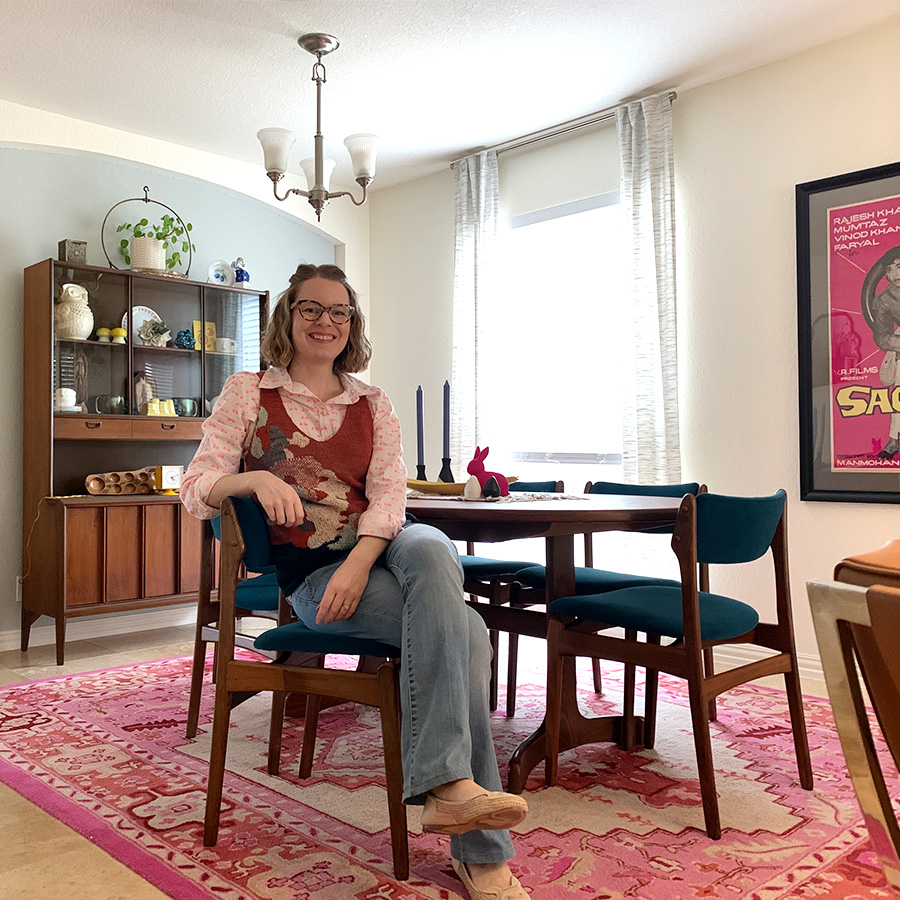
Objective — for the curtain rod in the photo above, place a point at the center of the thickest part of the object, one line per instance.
(556, 130)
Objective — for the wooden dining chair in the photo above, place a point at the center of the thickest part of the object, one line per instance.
(257, 596)
(858, 632)
(709, 529)
(492, 580)
(239, 679)
(530, 583)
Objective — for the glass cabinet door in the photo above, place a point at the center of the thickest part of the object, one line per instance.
(166, 371)
(90, 372)
(232, 337)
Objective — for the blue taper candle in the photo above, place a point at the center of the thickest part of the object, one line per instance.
(446, 420)
(420, 428)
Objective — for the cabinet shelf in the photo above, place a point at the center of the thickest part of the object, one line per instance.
(105, 553)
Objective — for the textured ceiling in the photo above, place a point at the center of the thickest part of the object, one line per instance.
(435, 78)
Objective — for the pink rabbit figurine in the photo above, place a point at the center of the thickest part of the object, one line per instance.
(476, 468)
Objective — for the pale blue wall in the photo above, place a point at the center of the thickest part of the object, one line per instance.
(49, 195)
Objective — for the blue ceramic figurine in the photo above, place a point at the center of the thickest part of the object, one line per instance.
(241, 275)
(185, 340)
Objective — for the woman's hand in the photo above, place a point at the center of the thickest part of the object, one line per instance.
(346, 585)
(280, 501)
(344, 589)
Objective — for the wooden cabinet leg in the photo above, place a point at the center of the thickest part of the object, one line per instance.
(28, 619)
(60, 639)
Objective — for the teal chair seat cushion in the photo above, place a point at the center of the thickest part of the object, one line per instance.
(592, 581)
(296, 637)
(258, 593)
(484, 567)
(658, 610)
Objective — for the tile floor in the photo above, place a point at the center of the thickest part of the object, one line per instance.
(39, 856)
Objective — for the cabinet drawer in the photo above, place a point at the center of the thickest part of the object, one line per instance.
(92, 428)
(167, 429)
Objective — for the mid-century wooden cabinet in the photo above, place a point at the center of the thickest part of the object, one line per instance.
(88, 554)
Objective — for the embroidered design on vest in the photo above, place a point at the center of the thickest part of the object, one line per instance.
(328, 476)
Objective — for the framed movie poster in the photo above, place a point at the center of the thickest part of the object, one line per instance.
(848, 280)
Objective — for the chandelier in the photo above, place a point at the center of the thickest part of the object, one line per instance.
(277, 143)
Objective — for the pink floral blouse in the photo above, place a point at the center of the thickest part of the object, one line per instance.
(227, 433)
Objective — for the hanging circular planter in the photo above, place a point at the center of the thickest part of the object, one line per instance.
(145, 252)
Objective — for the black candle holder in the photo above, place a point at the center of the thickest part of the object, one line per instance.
(420, 472)
(446, 474)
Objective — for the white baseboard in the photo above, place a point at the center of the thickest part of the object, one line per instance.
(100, 626)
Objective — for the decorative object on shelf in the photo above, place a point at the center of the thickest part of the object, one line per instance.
(72, 316)
(140, 315)
(210, 404)
(167, 479)
(64, 400)
(154, 333)
(241, 275)
(277, 143)
(155, 248)
(108, 405)
(226, 345)
(144, 389)
(208, 335)
(491, 488)
(156, 407)
(73, 251)
(104, 335)
(420, 434)
(137, 481)
(476, 468)
(185, 340)
(220, 272)
(445, 473)
(186, 406)
(119, 335)
(81, 378)
(472, 490)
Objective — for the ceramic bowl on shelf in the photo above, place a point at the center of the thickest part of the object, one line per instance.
(220, 272)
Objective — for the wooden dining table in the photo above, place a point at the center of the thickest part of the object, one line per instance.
(557, 521)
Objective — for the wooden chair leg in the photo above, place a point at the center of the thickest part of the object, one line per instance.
(553, 715)
(703, 748)
(495, 666)
(197, 668)
(512, 674)
(798, 725)
(709, 669)
(651, 693)
(598, 682)
(389, 696)
(276, 730)
(218, 750)
(310, 724)
(628, 691)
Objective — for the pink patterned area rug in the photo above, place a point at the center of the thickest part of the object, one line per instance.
(105, 753)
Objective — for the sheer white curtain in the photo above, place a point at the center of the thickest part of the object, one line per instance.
(651, 449)
(476, 183)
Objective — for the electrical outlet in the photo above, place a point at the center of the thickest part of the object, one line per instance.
(18, 588)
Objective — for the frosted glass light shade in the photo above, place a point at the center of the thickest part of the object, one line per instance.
(362, 148)
(276, 144)
(309, 170)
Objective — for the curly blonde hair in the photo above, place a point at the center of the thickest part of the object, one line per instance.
(277, 348)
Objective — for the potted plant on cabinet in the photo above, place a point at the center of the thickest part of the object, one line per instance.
(155, 247)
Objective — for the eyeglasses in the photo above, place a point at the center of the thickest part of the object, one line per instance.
(312, 311)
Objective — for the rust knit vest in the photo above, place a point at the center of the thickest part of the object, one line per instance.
(329, 476)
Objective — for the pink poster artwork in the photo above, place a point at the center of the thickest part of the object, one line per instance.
(864, 345)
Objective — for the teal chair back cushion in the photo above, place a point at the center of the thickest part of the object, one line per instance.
(736, 529)
(645, 490)
(256, 534)
(532, 485)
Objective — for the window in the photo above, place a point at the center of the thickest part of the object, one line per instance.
(551, 345)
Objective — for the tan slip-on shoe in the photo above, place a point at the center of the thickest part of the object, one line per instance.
(487, 811)
(515, 891)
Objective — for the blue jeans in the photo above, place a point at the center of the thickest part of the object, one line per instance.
(414, 600)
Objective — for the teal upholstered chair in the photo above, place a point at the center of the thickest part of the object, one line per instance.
(491, 579)
(237, 679)
(710, 529)
(257, 597)
(530, 582)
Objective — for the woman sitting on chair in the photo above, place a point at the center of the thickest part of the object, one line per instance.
(321, 453)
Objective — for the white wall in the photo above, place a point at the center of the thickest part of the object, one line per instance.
(741, 145)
